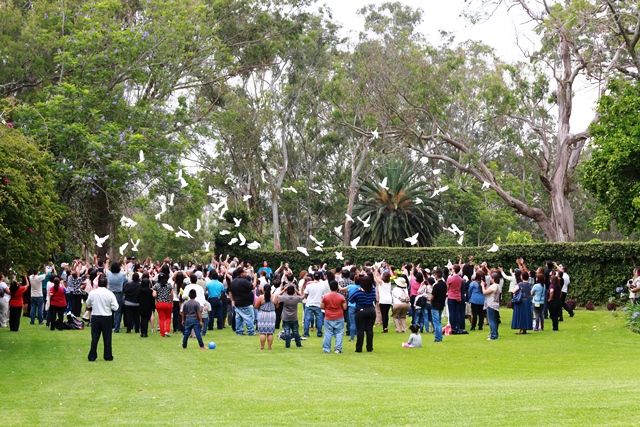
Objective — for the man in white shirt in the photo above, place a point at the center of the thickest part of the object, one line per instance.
(102, 303)
(565, 289)
(4, 302)
(36, 296)
(314, 292)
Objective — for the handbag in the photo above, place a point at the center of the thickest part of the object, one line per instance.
(517, 297)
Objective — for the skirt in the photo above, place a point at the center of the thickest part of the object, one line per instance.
(522, 315)
(266, 322)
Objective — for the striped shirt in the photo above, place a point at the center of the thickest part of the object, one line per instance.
(363, 299)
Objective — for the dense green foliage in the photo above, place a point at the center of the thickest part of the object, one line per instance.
(29, 213)
(596, 269)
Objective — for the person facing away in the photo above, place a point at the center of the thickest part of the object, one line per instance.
(415, 339)
(334, 304)
(191, 313)
(290, 301)
(102, 303)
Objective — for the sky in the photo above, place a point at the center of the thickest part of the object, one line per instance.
(501, 31)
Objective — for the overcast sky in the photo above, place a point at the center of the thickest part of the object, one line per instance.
(501, 31)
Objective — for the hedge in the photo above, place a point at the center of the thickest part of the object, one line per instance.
(596, 269)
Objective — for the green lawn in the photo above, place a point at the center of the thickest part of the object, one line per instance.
(583, 375)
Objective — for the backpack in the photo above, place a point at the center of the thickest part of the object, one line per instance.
(421, 301)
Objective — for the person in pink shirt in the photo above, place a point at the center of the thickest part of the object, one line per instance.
(455, 301)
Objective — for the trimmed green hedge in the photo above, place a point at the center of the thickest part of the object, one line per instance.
(596, 269)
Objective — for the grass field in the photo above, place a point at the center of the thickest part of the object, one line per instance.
(583, 375)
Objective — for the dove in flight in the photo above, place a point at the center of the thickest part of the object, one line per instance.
(349, 218)
(493, 248)
(171, 197)
(365, 223)
(141, 157)
(237, 221)
(225, 232)
(198, 225)
(315, 190)
(246, 198)
(318, 248)
(302, 250)
(127, 222)
(263, 178)
(339, 256)
(218, 206)
(486, 185)
(233, 241)
(449, 265)
(123, 247)
(383, 184)
(206, 246)
(454, 229)
(168, 227)
(253, 245)
(418, 201)
(460, 240)
(437, 171)
(163, 208)
(316, 240)
(210, 192)
(228, 179)
(439, 191)
(290, 189)
(413, 239)
(243, 240)
(355, 242)
(224, 209)
(100, 240)
(374, 134)
(183, 233)
(134, 248)
(338, 230)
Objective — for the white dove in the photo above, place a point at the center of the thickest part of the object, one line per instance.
(413, 239)
(374, 134)
(355, 242)
(228, 179)
(171, 197)
(243, 240)
(233, 240)
(439, 191)
(210, 192)
(218, 206)
(316, 240)
(253, 245)
(318, 248)
(349, 218)
(168, 227)
(383, 184)
(302, 250)
(184, 233)
(237, 221)
(437, 171)
(365, 223)
(180, 179)
(134, 248)
(163, 208)
(224, 209)
(141, 157)
(123, 247)
(206, 246)
(246, 198)
(127, 222)
(449, 265)
(315, 190)
(198, 225)
(100, 240)
(339, 256)
(493, 248)
(338, 230)
(290, 189)
(461, 239)
(486, 185)
(263, 178)
(418, 201)
(225, 232)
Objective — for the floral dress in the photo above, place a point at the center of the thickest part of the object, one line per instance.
(267, 318)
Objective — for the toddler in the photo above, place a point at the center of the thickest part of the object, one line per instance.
(415, 339)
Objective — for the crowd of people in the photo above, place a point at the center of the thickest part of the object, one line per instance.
(346, 301)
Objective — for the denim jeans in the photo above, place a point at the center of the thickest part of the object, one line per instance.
(352, 323)
(191, 324)
(245, 316)
(36, 305)
(216, 312)
(309, 314)
(205, 323)
(333, 328)
(291, 331)
(420, 318)
(493, 322)
(118, 313)
(437, 325)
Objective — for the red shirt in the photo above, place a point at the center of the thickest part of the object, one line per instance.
(455, 288)
(333, 306)
(16, 297)
(57, 298)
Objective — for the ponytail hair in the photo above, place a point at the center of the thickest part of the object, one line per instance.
(56, 284)
(267, 293)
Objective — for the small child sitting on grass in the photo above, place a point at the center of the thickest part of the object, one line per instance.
(415, 339)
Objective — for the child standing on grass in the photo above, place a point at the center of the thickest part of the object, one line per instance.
(206, 309)
(415, 339)
(191, 312)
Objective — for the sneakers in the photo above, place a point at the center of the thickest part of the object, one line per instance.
(303, 338)
(338, 351)
(167, 334)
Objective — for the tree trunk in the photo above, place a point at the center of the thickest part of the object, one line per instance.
(275, 219)
(353, 188)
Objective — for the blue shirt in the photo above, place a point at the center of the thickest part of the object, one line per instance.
(214, 288)
(351, 289)
(538, 293)
(475, 294)
(363, 299)
(267, 270)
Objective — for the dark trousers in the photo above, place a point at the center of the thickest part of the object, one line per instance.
(14, 318)
(231, 317)
(101, 325)
(565, 306)
(177, 320)
(279, 315)
(347, 322)
(477, 316)
(56, 317)
(291, 330)
(132, 317)
(144, 324)
(216, 313)
(76, 304)
(365, 319)
(555, 308)
(384, 313)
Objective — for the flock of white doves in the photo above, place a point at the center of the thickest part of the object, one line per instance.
(221, 207)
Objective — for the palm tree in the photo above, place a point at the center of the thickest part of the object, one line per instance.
(402, 211)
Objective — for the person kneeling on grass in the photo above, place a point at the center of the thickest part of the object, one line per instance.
(415, 339)
(191, 312)
(334, 306)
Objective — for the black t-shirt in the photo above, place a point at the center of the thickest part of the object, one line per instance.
(439, 293)
(242, 291)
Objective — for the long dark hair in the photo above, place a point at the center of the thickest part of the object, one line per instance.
(179, 281)
(365, 282)
(163, 279)
(56, 284)
(267, 293)
(13, 287)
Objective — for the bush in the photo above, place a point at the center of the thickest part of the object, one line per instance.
(596, 269)
(633, 317)
(589, 306)
(611, 306)
(572, 304)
